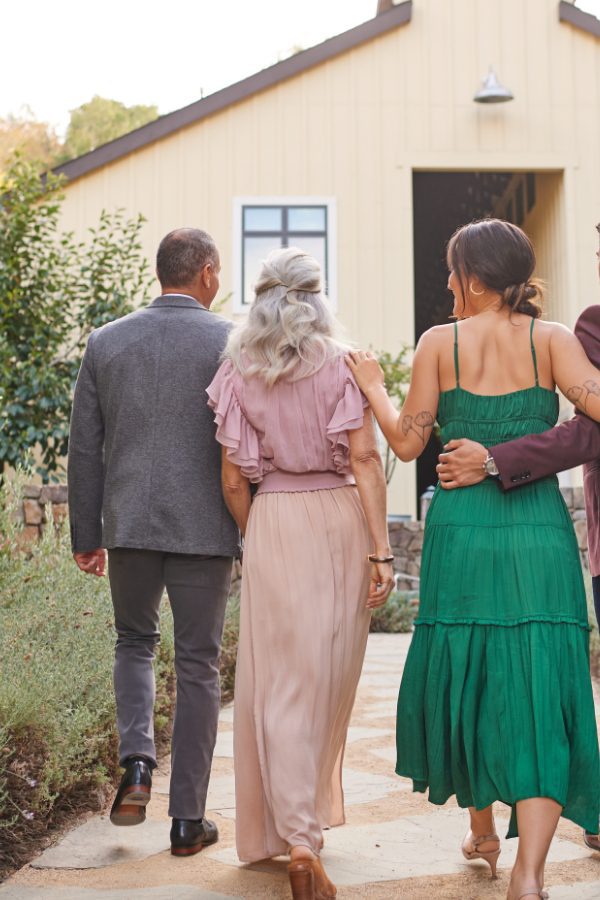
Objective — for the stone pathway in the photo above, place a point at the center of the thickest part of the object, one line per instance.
(394, 844)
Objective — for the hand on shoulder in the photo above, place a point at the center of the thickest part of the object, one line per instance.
(366, 370)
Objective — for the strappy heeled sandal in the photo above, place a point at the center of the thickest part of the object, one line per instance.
(592, 841)
(490, 856)
(535, 892)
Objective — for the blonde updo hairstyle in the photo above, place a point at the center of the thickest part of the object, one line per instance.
(502, 257)
(290, 331)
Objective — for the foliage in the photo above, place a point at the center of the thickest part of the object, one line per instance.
(217, 306)
(229, 647)
(58, 743)
(396, 372)
(91, 124)
(397, 615)
(35, 141)
(53, 292)
(102, 120)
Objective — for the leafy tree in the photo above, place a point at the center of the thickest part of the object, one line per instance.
(396, 373)
(53, 292)
(35, 141)
(100, 121)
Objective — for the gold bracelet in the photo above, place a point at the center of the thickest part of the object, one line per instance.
(379, 559)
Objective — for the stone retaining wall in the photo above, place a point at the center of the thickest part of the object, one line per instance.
(37, 500)
(406, 537)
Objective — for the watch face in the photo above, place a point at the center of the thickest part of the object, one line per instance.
(490, 467)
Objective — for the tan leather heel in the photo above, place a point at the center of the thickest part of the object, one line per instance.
(324, 888)
(309, 880)
(490, 856)
(302, 880)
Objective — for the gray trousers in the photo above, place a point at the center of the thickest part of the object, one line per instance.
(197, 587)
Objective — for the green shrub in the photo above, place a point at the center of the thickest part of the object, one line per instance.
(58, 741)
(397, 615)
(229, 648)
(53, 291)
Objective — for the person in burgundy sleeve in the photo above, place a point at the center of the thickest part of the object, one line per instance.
(516, 463)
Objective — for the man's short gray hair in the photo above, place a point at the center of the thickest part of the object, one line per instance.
(182, 254)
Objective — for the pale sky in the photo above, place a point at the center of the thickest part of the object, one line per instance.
(56, 56)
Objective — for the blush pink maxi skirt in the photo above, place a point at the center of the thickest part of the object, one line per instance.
(303, 632)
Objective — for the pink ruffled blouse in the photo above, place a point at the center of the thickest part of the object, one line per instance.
(292, 436)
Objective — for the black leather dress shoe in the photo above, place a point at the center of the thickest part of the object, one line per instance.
(189, 836)
(133, 795)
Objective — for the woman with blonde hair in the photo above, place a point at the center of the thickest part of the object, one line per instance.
(316, 561)
(496, 699)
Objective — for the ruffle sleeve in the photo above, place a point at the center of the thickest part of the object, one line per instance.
(347, 416)
(234, 431)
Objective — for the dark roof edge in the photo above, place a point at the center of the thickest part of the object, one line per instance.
(577, 17)
(266, 78)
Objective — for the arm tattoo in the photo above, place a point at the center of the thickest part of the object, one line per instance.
(580, 394)
(419, 424)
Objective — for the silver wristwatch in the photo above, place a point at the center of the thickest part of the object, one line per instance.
(490, 467)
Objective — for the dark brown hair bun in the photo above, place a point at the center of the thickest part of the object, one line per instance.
(502, 257)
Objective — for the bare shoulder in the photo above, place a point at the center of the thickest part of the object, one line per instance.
(437, 336)
(555, 333)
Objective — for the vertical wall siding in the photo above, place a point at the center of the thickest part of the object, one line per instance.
(355, 128)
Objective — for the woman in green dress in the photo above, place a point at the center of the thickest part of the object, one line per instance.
(496, 700)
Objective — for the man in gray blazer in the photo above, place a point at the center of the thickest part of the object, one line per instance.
(144, 484)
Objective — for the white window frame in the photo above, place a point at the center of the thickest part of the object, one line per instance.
(307, 200)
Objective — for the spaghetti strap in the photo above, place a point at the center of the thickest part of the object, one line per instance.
(533, 355)
(456, 371)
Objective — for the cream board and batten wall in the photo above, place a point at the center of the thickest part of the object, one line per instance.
(355, 128)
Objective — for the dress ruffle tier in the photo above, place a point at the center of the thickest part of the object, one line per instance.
(245, 445)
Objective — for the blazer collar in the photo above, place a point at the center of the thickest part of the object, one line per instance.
(177, 300)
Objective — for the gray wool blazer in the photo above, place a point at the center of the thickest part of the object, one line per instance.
(144, 468)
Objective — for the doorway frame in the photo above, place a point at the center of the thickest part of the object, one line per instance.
(546, 163)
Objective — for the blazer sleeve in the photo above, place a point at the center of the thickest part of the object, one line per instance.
(85, 468)
(526, 459)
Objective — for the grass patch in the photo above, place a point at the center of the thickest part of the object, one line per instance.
(58, 740)
(397, 615)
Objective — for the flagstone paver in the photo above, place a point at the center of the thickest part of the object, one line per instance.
(394, 845)
(360, 733)
(576, 892)
(98, 843)
(411, 847)
(226, 714)
(386, 753)
(224, 745)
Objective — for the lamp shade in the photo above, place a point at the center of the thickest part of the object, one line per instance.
(492, 91)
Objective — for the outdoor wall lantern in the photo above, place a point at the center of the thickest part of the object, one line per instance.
(492, 91)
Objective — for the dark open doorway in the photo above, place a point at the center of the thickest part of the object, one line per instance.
(441, 202)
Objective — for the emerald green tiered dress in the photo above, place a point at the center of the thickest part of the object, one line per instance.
(496, 700)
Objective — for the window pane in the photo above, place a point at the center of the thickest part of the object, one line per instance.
(255, 250)
(316, 246)
(306, 218)
(262, 218)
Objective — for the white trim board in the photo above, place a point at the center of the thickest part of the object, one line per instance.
(284, 200)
